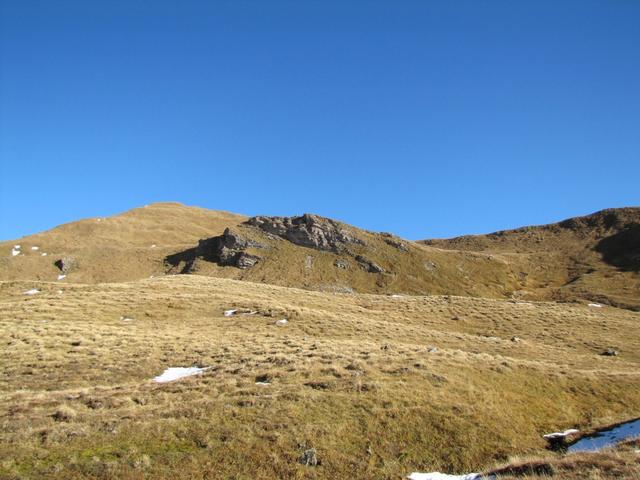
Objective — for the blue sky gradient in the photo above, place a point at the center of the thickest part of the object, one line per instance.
(423, 118)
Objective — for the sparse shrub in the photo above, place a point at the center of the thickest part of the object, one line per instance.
(64, 414)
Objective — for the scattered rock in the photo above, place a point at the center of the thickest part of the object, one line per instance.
(340, 263)
(308, 262)
(66, 264)
(368, 265)
(610, 352)
(246, 260)
(432, 349)
(430, 266)
(308, 230)
(396, 243)
(515, 339)
(309, 458)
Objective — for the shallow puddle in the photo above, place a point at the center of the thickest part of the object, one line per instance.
(607, 438)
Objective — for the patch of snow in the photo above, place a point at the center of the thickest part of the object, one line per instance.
(17, 247)
(61, 277)
(60, 292)
(607, 438)
(284, 321)
(35, 248)
(15, 252)
(228, 313)
(44, 254)
(176, 373)
(263, 383)
(444, 476)
(595, 305)
(566, 433)
(396, 296)
(153, 246)
(126, 319)
(33, 291)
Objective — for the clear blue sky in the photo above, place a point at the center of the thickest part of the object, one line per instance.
(424, 118)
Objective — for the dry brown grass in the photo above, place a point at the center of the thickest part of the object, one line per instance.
(350, 375)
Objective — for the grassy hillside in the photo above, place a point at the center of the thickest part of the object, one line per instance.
(124, 247)
(592, 258)
(380, 386)
(595, 257)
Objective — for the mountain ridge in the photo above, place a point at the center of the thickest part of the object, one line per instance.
(589, 258)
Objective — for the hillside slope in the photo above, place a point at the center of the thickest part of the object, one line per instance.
(594, 257)
(123, 247)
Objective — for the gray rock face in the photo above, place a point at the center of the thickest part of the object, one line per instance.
(229, 249)
(308, 230)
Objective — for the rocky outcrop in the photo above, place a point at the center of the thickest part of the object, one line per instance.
(229, 249)
(368, 265)
(308, 230)
(395, 242)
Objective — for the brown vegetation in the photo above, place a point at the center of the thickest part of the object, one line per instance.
(355, 377)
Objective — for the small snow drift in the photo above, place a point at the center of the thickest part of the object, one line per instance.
(61, 277)
(35, 248)
(176, 373)
(44, 254)
(566, 433)
(595, 305)
(264, 384)
(15, 251)
(607, 438)
(282, 322)
(444, 476)
(33, 291)
(230, 313)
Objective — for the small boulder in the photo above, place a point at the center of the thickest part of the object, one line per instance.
(610, 352)
(340, 263)
(309, 458)
(66, 264)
